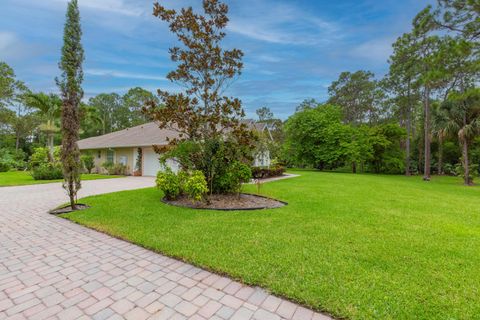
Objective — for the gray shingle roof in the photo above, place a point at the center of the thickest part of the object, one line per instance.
(144, 135)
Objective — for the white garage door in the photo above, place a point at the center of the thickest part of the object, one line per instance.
(151, 164)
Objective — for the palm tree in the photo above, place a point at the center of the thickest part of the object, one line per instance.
(49, 107)
(463, 113)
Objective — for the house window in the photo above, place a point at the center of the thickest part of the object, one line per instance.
(99, 154)
(123, 160)
(110, 155)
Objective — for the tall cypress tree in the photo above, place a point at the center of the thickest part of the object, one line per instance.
(71, 91)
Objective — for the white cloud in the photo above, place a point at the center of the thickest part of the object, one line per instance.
(376, 50)
(282, 24)
(7, 40)
(114, 6)
(121, 74)
(12, 48)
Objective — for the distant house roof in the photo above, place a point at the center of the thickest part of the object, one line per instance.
(144, 135)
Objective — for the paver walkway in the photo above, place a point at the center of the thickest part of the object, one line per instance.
(51, 268)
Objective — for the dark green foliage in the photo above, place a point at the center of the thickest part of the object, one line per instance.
(314, 137)
(138, 164)
(71, 91)
(5, 165)
(215, 158)
(12, 159)
(387, 153)
(359, 96)
(272, 171)
(47, 171)
(232, 179)
(88, 162)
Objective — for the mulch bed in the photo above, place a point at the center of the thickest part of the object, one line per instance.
(244, 201)
(67, 209)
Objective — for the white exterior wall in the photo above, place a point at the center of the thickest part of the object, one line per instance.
(262, 159)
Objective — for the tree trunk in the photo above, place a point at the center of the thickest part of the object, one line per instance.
(354, 167)
(426, 170)
(71, 195)
(50, 147)
(407, 145)
(440, 154)
(466, 166)
(17, 142)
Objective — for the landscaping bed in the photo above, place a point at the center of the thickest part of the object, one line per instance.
(242, 201)
(68, 208)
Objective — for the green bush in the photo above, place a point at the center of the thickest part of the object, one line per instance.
(5, 165)
(262, 173)
(231, 180)
(169, 183)
(195, 187)
(11, 159)
(40, 156)
(115, 168)
(47, 171)
(88, 162)
(473, 172)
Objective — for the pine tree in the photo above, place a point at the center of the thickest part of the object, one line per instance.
(71, 91)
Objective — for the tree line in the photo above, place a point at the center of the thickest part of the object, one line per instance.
(422, 116)
(31, 119)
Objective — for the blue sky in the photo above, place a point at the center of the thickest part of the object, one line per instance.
(293, 48)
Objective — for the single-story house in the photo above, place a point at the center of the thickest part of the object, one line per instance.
(124, 146)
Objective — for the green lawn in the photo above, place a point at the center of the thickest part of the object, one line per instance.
(20, 178)
(356, 246)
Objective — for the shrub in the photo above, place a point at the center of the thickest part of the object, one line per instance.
(115, 168)
(473, 172)
(11, 158)
(5, 165)
(88, 162)
(47, 171)
(231, 181)
(195, 187)
(262, 173)
(169, 183)
(40, 156)
(449, 169)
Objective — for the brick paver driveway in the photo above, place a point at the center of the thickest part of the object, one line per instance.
(52, 268)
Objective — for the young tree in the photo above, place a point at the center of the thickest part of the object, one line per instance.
(463, 119)
(71, 92)
(202, 114)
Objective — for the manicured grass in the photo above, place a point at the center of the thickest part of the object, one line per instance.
(357, 246)
(20, 178)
